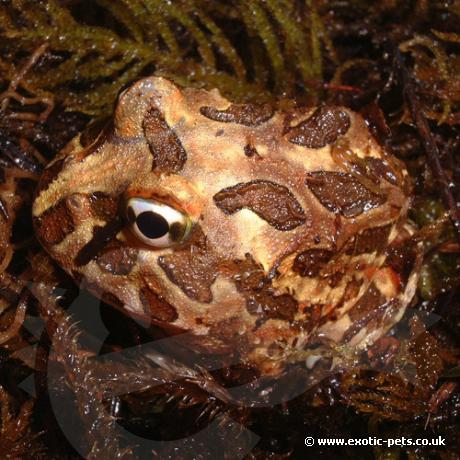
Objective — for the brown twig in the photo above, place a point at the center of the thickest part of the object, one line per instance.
(429, 144)
(18, 320)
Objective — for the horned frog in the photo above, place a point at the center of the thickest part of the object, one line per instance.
(258, 232)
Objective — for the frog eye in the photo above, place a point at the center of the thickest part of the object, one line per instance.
(156, 223)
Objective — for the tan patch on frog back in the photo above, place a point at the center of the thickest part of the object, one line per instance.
(270, 201)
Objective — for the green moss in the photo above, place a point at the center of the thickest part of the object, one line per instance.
(87, 65)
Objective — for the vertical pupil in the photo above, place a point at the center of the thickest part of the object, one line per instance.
(152, 225)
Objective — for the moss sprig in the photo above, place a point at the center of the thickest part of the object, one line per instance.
(87, 65)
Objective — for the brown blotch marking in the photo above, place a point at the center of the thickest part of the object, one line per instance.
(193, 267)
(250, 151)
(376, 121)
(342, 193)
(336, 277)
(253, 283)
(312, 318)
(103, 206)
(370, 306)
(270, 201)
(54, 224)
(374, 169)
(351, 293)
(49, 174)
(309, 263)
(352, 290)
(101, 237)
(368, 302)
(321, 129)
(169, 155)
(224, 338)
(282, 306)
(243, 114)
(369, 240)
(381, 169)
(401, 257)
(373, 319)
(156, 306)
(117, 259)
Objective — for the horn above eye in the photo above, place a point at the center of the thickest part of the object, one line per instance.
(157, 224)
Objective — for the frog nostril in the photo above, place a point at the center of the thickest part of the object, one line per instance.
(75, 202)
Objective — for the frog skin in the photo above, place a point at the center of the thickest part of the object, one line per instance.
(258, 232)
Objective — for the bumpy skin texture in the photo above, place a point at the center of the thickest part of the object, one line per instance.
(293, 214)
